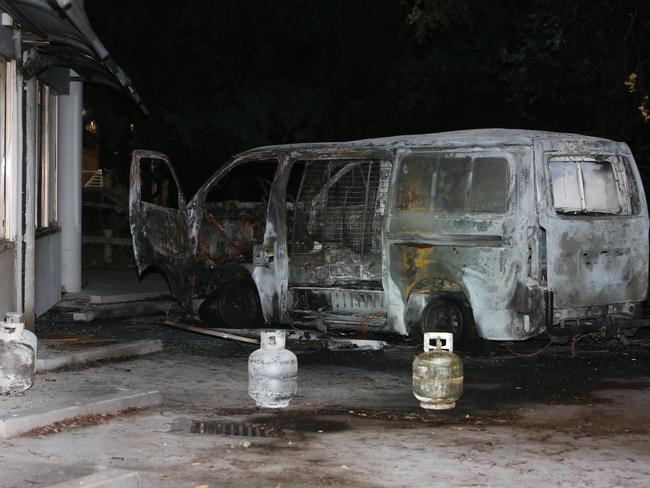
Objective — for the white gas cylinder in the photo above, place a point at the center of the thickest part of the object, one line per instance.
(272, 371)
(17, 354)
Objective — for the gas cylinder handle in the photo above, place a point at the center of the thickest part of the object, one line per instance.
(7, 334)
(273, 339)
(447, 337)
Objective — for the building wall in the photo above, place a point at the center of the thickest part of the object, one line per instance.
(31, 239)
(41, 126)
(7, 278)
(48, 271)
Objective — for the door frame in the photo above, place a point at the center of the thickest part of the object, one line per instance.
(263, 276)
(279, 210)
(137, 206)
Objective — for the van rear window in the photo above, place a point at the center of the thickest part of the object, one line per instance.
(585, 187)
(449, 183)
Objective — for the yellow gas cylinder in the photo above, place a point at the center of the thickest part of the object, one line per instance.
(438, 373)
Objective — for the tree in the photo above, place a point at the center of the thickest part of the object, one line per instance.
(221, 77)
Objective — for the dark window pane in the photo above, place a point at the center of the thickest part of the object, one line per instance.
(451, 184)
(489, 186)
(248, 182)
(414, 183)
(158, 185)
(444, 183)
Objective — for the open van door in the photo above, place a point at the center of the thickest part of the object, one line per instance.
(157, 214)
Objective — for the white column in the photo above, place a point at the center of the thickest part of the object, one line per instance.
(69, 184)
(14, 176)
(31, 119)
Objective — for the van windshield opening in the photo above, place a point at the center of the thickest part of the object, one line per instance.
(584, 186)
(452, 183)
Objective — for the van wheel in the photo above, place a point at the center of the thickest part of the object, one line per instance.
(239, 305)
(210, 309)
(443, 316)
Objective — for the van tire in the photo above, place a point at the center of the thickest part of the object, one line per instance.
(443, 316)
(210, 309)
(239, 305)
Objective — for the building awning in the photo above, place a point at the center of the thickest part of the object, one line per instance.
(57, 33)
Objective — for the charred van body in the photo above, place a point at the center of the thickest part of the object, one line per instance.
(506, 232)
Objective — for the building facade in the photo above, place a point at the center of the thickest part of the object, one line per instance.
(47, 52)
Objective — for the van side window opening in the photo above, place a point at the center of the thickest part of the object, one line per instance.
(157, 184)
(584, 186)
(337, 205)
(450, 183)
(248, 182)
(234, 213)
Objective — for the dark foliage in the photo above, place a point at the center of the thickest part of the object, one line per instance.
(221, 77)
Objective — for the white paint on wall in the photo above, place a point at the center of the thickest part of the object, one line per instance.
(48, 272)
(7, 277)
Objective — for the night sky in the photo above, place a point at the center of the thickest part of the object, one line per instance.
(222, 77)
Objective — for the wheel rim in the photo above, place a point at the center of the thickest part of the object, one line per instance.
(444, 317)
(238, 305)
(210, 310)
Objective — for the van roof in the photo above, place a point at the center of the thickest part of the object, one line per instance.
(490, 137)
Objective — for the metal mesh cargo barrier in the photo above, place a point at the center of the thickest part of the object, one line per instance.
(339, 203)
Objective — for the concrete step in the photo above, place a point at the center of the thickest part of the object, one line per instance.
(107, 299)
(60, 360)
(123, 310)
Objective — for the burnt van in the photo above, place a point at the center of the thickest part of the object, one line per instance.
(501, 233)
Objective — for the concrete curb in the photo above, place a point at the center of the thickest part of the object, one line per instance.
(136, 348)
(122, 310)
(16, 424)
(127, 297)
(111, 478)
